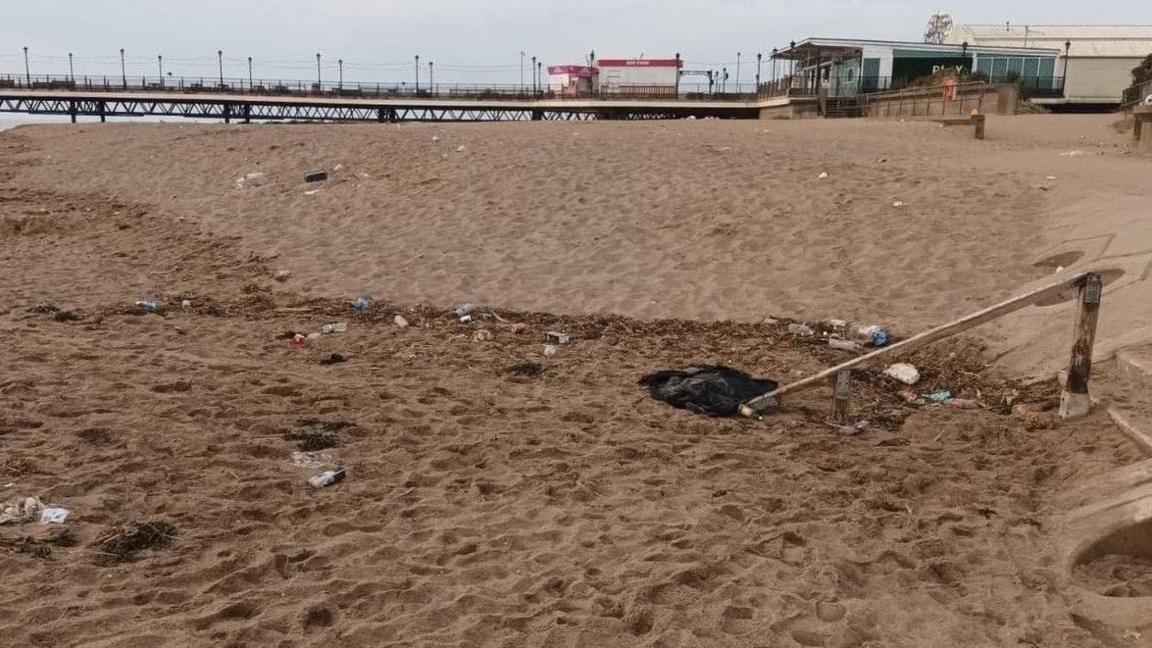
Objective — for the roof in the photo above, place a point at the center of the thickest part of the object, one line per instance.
(807, 46)
(1127, 41)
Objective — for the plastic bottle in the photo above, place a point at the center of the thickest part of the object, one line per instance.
(147, 304)
(362, 303)
(327, 478)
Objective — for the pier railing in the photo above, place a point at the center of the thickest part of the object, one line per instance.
(366, 90)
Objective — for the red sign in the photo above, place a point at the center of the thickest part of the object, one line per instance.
(672, 63)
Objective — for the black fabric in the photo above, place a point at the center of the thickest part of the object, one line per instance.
(710, 390)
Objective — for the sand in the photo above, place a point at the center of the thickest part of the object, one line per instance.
(487, 508)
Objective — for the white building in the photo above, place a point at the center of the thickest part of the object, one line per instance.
(1096, 60)
(652, 77)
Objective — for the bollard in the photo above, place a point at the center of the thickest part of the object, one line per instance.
(1074, 400)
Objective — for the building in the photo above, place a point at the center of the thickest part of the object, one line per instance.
(844, 67)
(573, 80)
(646, 77)
(1097, 60)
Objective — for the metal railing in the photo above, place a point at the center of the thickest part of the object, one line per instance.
(367, 90)
(807, 86)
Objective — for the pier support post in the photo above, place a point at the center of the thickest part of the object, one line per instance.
(842, 397)
(380, 114)
(537, 115)
(227, 113)
(103, 110)
(1074, 400)
(247, 112)
(72, 110)
(978, 121)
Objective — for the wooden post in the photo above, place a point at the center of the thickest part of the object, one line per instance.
(978, 121)
(842, 394)
(1074, 400)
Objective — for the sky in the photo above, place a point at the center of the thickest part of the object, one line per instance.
(468, 41)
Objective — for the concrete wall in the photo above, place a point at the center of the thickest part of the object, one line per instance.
(795, 108)
(1101, 79)
(930, 102)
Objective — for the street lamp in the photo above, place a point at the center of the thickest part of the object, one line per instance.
(737, 71)
(318, 78)
(340, 65)
(220, 62)
(431, 86)
(540, 77)
(417, 74)
(533, 75)
(774, 51)
(249, 73)
(759, 56)
(71, 72)
(123, 70)
(521, 70)
(27, 70)
(160, 68)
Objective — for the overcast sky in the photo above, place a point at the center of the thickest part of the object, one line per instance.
(477, 40)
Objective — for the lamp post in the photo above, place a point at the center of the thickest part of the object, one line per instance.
(27, 70)
(521, 70)
(340, 67)
(759, 58)
(71, 72)
(540, 77)
(123, 70)
(220, 63)
(318, 77)
(160, 68)
(737, 71)
(417, 74)
(774, 51)
(431, 86)
(792, 61)
(249, 73)
(533, 75)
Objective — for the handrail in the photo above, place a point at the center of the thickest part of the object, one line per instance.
(943, 331)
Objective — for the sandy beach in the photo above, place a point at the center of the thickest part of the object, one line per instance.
(495, 495)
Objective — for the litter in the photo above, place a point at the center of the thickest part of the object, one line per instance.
(362, 303)
(482, 335)
(898, 204)
(881, 159)
(843, 345)
(851, 430)
(962, 403)
(334, 358)
(53, 515)
(338, 167)
(708, 390)
(187, 303)
(400, 322)
(460, 149)
(904, 372)
(435, 138)
(550, 350)
(334, 327)
(1071, 153)
(800, 329)
(519, 327)
(298, 340)
(315, 176)
(939, 396)
(1049, 177)
(148, 305)
(552, 337)
(823, 175)
(465, 319)
(466, 309)
(327, 478)
(870, 334)
(20, 510)
(282, 275)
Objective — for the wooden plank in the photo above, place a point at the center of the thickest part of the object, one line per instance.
(940, 332)
(1074, 400)
(842, 397)
(978, 121)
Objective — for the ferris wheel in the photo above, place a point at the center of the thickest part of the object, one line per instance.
(939, 26)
